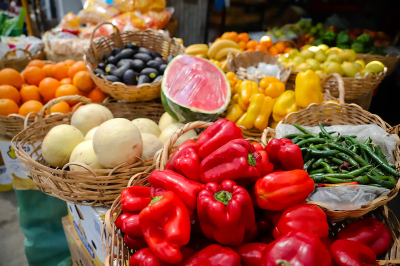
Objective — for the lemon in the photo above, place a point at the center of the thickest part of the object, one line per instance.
(333, 50)
(377, 66)
(323, 47)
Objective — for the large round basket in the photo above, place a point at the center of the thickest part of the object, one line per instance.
(357, 90)
(84, 187)
(19, 64)
(150, 39)
(334, 114)
(390, 61)
(117, 253)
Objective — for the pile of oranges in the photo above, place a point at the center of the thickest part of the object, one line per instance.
(40, 82)
(265, 44)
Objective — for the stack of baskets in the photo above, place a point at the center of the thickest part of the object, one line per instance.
(20, 63)
(390, 61)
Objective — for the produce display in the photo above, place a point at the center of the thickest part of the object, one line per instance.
(341, 159)
(325, 60)
(40, 82)
(189, 214)
(132, 65)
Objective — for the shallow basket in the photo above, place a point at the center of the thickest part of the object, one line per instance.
(150, 39)
(390, 61)
(19, 64)
(334, 114)
(357, 90)
(85, 187)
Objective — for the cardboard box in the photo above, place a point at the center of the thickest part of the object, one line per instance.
(78, 255)
(88, 223)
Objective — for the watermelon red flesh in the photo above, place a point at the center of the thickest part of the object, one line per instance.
(197, 84)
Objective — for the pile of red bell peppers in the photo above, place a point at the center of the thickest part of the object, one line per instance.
(222, 200)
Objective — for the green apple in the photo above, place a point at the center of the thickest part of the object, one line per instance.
(299, 59)
(307, 54)
(302, 67)
(314, 64)
(320, 56)
(349, 69)
(323, 47)
(334, 58)
(293, 53)
(333, 67)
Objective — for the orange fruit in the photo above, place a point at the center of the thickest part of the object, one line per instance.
(225, 36)
(252, 45)
(37, 63)
(280, 46)
(9, 76)
(69, 62)
(83, 81)
(48, 87)
(273, 51)
(234, 36)
(34, 75)
(10, 92)
(242, 45)
(66, 81)
(8, 107)
(266, 41)
(78, 66)
(262, 48)
(48, 69)
(97, 96)
(30, 106)
(30, 92)
(76, 106)
(60, 70)
(287, 49)
(61, 107)
(244, 37)
(68, 89)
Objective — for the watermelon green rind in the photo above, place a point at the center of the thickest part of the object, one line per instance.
(188, 114)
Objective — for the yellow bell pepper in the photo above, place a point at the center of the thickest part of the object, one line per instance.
(308, 89)
(234, 112)
(241, 120)
(274, 90)
(263, 116)
(254, 109)
(235, 98)
(247, 89)
(284, 105)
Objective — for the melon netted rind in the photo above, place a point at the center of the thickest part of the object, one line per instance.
(185, 113)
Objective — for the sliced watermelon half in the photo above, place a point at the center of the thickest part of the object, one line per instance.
(194, 89)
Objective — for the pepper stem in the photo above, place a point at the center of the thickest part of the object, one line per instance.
(155, 199)
(223, 196)
(251, 159)
(283, 262)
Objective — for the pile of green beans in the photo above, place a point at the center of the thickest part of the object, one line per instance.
(342, 159)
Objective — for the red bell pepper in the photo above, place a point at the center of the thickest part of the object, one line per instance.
(121, 217)
(267, 167)
(177, 153)
(351, 253)
(284, 154)
(236, 160)
(226, 213)
(279, 190)
(214, 255)
(251, 253)
(306, 217)
(135, 242)
(188, 164)
(187, 190)
(131, 226)
(217, 135)
(165, 225)
(135, 198)
(296, 248)
(145, 257)
(369, 232)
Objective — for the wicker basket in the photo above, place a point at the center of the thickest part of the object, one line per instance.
(78, 187)
(20, 63)
(334, 114)
(357, 90)
(390, 61)
(149, 39)
(256, 134)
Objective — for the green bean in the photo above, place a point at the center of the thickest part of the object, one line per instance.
(319, 178)
(305, 131)
(344, 172)
(318, 171)
(308, 164)
(376, 158)
(362, 179)
(340, 175)
(327, 167)
(323, 130)
(359, 171)
(335, 160)
(337, 180)
(355, 156)
(364, 155)
(335, 167)
(390, 183)
(349, 136)
(321, 154)
(290, 136)
(347, 158)
(375, 185)
(368, 141)
(312, 140)
(380, 154)
(299, 138)
(380, 177)
(317, 163)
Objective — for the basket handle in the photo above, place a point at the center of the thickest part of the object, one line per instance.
(64, 98)
(4, 58)
(340, 85)
(117, 35)
(167, 148)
